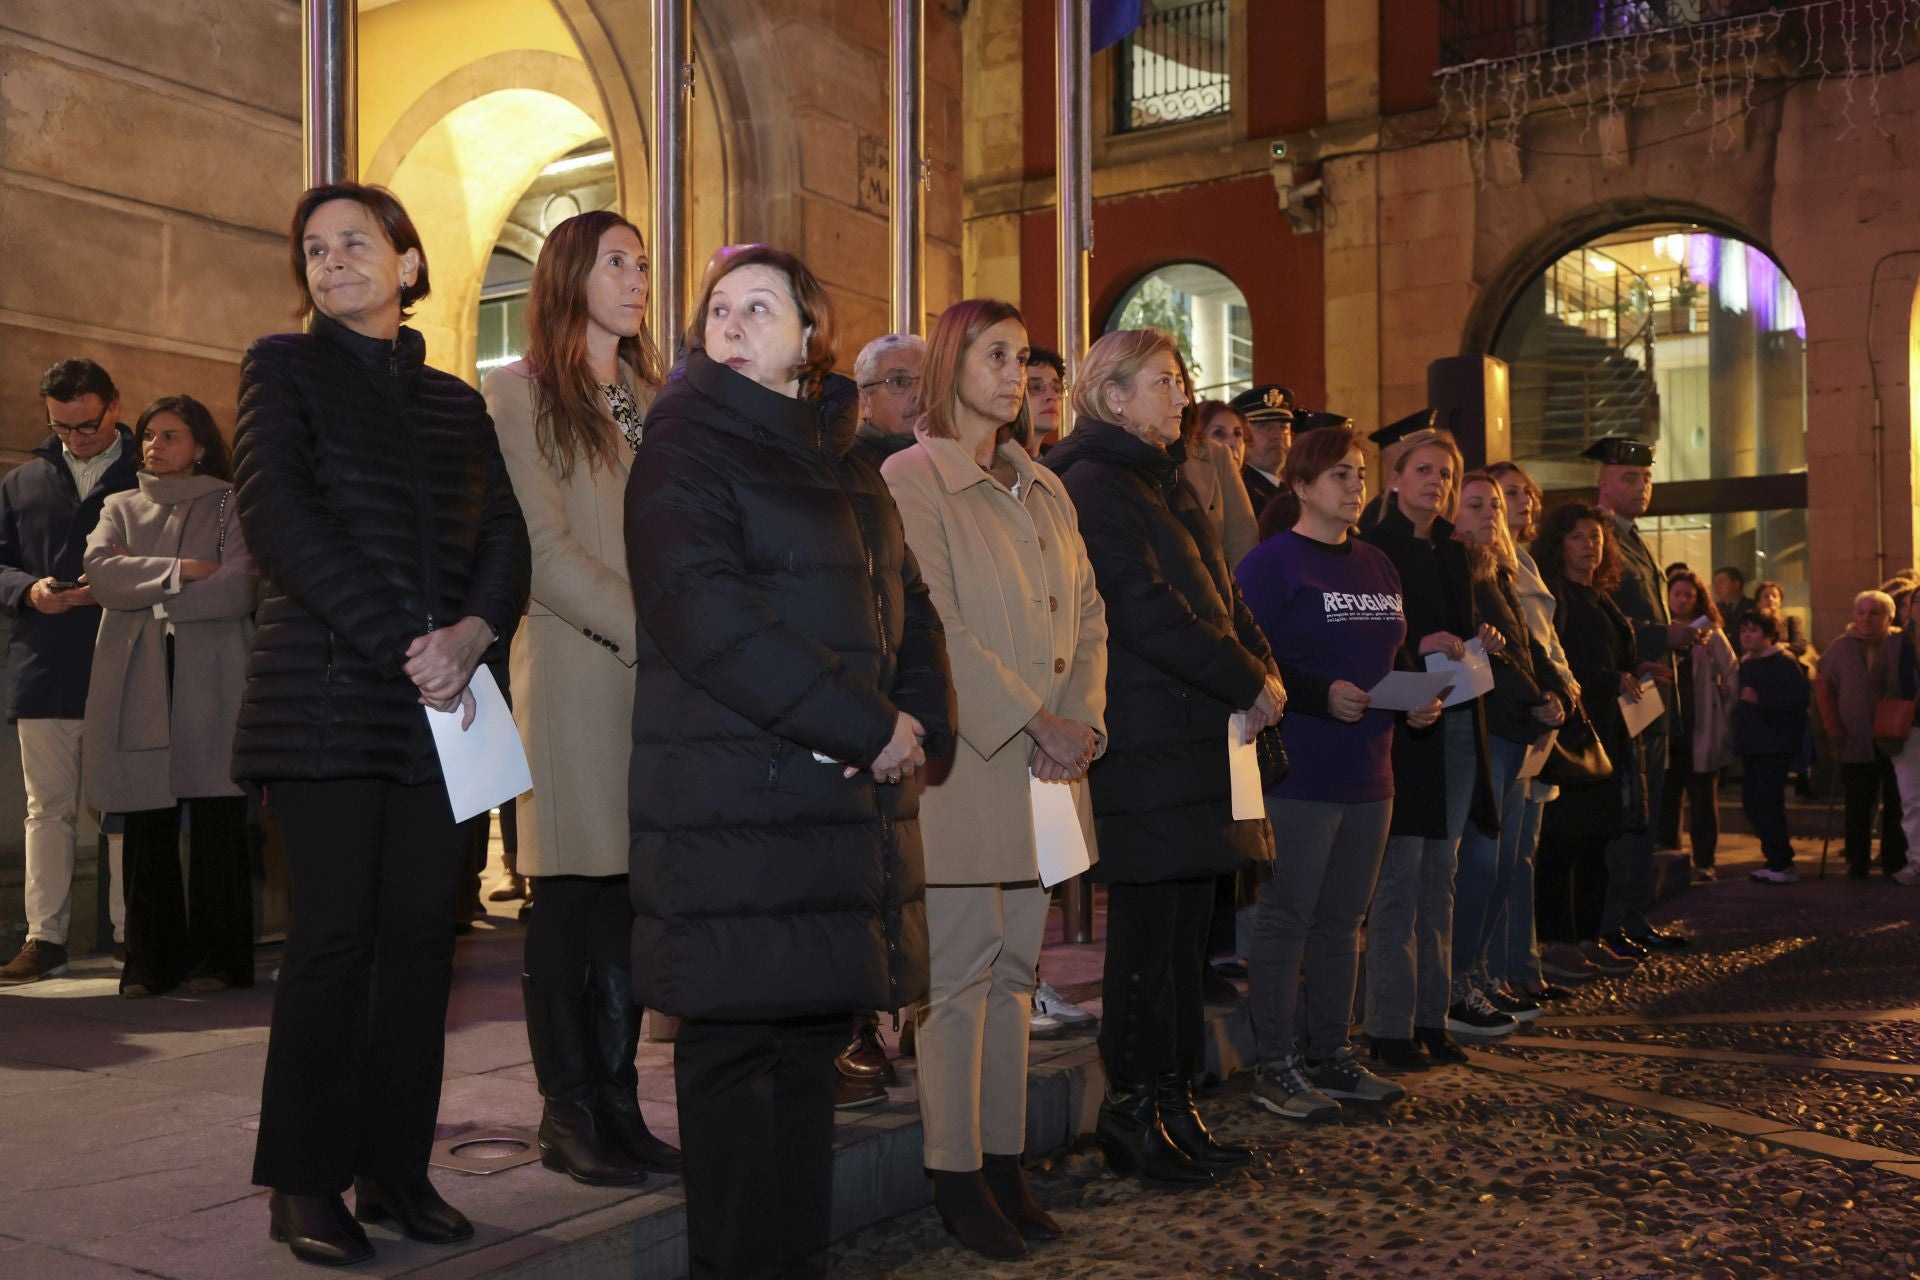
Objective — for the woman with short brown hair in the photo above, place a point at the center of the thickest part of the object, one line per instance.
(790, 678)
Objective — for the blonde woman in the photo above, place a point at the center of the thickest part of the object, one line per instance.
(1440, 775)
(1186, 655)
(999, 549)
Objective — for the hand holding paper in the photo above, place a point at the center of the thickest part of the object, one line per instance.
(1059, 841)
(1409, 690)
(483, 762)
(1473, 674)
(1643, 712)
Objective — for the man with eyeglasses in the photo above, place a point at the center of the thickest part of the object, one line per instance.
(1046, 398)
(48, 507)
(888, 373)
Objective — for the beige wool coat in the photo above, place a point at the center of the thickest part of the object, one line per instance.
(140, 748)
(1210, 472)
(572, 659)
(1025, 627)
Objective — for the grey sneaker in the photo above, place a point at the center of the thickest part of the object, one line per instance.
(1342, 1077)
(1052, 1004)
(1771, 875)
(1285, 1089)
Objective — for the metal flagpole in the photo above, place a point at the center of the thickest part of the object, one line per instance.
(907, 165)
(672, 94)
(329, 120)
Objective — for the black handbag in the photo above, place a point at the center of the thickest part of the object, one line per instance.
(1578, 758)
(1273, 757)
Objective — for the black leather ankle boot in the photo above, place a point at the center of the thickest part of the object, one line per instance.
(970, 1213)
(1173, 1091)
(417, 1208)
(318, 1229)
(1008, 1183)
(1130, 1132)
(573, 1141)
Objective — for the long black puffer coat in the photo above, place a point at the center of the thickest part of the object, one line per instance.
(1183, 654)
(781, 619)
(377, 506)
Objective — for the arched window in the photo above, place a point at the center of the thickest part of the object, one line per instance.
(1207, 315)
(1695, 340)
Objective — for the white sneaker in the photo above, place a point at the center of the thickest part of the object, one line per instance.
(1703, 875)
(1767, 875)
(1044, 1026)
(1050, 1003)
(1909, 874)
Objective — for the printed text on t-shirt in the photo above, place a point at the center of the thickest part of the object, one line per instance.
(1345, 606)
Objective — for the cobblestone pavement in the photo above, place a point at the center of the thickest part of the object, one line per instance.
(1750, 1109)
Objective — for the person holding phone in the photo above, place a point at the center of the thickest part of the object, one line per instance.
(48, 508)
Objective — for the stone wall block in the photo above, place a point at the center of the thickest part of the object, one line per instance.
(829, 157)
(175, 152)
(835, 77)
(141, 373)
(846, 247)
(1417, 169)
(70, 243)
(225, 289)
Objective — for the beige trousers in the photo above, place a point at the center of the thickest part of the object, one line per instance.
(972, 1053)
(50, 766)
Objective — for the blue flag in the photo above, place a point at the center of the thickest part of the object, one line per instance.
(1111, 21)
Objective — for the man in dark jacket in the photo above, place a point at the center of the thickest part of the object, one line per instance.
(887, 371)
(1625, 492)
(47, 508)
(1269, 414)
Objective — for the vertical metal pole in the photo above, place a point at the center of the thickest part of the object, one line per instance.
(1074, 164)
(329, 123)
(672, 94)
(907, 166)
(1073, 156)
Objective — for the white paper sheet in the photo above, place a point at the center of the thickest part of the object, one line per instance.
(1473, 676)
(1537, 754)
(486, 764)
(1639, 715)
(1409, 690)
(1058, 837)
(1243, 766)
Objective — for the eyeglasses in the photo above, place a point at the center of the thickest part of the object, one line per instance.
(1040, 386)
(898, 381)
(76, 428)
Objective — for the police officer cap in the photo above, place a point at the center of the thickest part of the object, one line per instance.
(1308, 419)
(1394, 432)
(1269, 403)
(1623, 451)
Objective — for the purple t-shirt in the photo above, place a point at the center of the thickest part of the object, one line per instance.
(1333, 612)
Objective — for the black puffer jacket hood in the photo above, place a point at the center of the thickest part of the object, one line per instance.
(781, 621)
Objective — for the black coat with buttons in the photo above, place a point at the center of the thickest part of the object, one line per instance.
(783, 628)
(377, 507)
(1183, 654)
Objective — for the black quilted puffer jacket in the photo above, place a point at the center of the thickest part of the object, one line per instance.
(377, 506)
(781, 617)
(1183, 654)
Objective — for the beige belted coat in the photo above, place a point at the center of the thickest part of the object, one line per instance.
(572, 659)
(1025, 627)
(141, 748)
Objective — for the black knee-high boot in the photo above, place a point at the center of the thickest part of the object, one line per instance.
(616, 1029)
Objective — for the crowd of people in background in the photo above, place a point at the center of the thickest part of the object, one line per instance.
(794, 657)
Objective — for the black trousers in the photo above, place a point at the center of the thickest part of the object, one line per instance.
(359, 1014)
(1156, 945)
(1763, 799)
(205, 929)
(1701, 792)
(1569, 887)
(1862, 783)
(756, 1126)
(578, 924)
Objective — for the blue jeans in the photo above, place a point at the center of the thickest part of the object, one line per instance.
(1410, 927)
(1514, 954)
(1486, 869)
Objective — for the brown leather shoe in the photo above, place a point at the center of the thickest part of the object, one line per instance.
(38, 959)
(864, 1059)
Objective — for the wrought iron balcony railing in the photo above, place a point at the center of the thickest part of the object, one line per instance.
(1173, 67)
(1489, 30)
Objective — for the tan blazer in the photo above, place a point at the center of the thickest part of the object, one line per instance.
(1215, 481)
(573, 656)
(142, 750)
(1025, 626)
